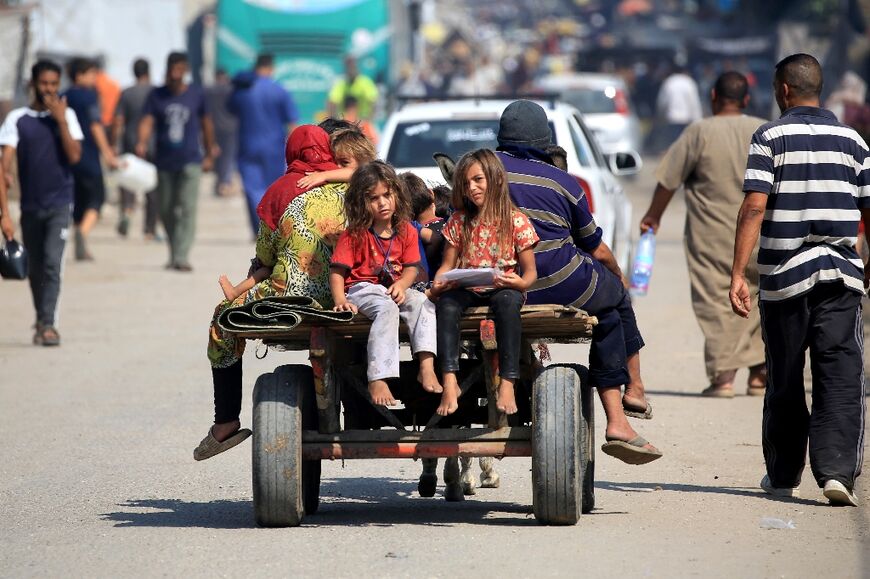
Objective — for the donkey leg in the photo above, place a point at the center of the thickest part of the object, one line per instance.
(453, 488)
(469, 482)
(429, 478)
(489, 479)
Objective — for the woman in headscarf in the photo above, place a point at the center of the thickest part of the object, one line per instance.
(298, 231)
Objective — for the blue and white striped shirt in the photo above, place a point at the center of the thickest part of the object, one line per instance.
(816, 173)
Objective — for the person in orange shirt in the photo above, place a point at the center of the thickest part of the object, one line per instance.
(109, 92)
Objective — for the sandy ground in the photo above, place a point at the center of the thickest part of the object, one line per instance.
(96, 475)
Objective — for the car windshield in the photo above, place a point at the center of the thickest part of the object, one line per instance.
(413, 144)
(589, 101)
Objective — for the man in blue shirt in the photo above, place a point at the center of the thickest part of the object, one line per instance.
(179, 113)
(90, 190)
(45, 137)
(807, 185)
(266, 114)
(576, 268)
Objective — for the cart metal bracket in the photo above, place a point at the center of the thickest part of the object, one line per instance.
(325, 382)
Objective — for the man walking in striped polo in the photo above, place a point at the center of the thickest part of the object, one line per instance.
(807, 184)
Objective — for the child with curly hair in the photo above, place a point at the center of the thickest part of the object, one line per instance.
(373, 267)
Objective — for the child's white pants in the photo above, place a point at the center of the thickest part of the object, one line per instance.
(417, 312)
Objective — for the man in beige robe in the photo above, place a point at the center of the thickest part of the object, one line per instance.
(709, 159)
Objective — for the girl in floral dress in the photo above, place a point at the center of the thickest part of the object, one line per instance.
(486, 231)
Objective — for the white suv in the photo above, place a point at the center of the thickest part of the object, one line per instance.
(414, 132)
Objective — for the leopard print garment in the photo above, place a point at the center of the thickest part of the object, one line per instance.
(299, 250)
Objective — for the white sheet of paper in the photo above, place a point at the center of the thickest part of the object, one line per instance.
(484, 276)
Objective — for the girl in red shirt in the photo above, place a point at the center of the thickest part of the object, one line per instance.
(375, 262)
(486, 231)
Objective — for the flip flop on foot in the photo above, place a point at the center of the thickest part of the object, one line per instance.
(634, 410)
(714, 391)
(757, 383)
(210, 445)
(380, 393)
(50, 337)
(635, 451)
(756, 386)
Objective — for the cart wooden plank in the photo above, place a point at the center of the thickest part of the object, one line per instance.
(554, 324)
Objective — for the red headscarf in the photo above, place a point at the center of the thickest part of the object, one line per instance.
(307, 151)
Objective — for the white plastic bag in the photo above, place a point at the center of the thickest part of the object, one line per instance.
(135, 174)
(773, 523)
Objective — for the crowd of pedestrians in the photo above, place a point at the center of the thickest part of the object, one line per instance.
(786, 195)
(64, 140)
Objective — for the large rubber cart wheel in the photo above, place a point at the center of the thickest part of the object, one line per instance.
(278, 469)
(558, 449)
(586, 439)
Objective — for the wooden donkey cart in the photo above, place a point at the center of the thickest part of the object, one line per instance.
(297, 422)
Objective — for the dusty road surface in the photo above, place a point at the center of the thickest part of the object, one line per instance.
(97, 479)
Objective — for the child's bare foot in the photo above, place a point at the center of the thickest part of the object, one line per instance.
(450, 396)
(426, 376)
(506, 401)
(429, 381)
(228, 287)
(380, 393)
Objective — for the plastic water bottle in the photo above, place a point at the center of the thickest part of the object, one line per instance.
(643, 264)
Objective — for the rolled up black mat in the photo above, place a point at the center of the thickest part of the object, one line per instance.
(276, 315)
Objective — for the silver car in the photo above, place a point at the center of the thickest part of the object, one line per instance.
(604, 101)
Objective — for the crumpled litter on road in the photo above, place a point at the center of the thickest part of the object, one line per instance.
(773, 523)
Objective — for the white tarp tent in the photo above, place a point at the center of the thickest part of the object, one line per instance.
(119, 31)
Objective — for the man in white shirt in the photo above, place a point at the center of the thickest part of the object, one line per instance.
(679, 105)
